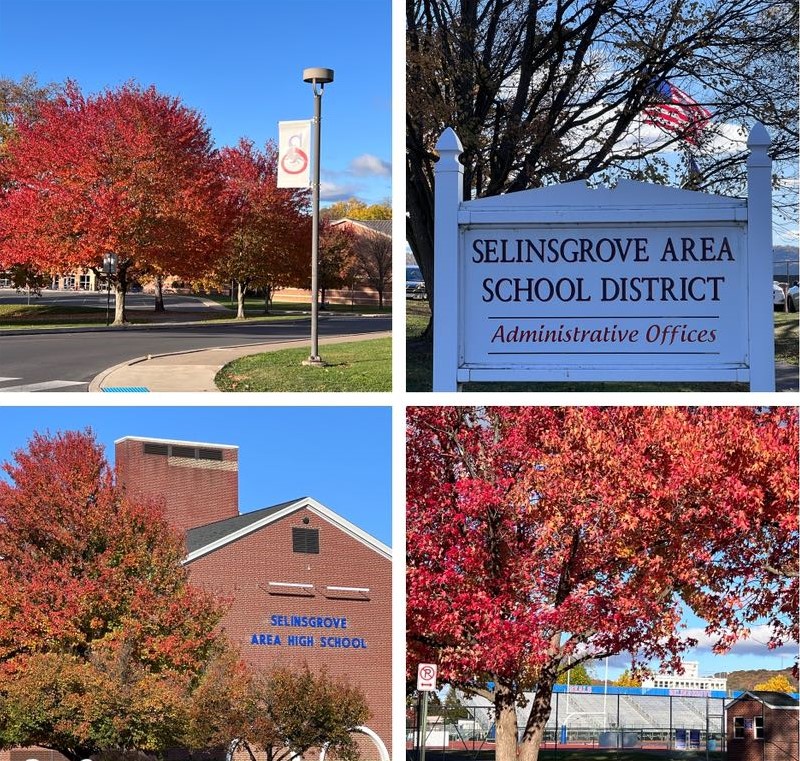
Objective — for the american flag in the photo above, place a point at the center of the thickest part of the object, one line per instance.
(676, 112)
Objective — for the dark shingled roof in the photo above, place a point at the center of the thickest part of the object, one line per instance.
(211, 532)
(772, 699)
(383, 226)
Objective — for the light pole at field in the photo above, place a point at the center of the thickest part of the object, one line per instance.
(318, 78)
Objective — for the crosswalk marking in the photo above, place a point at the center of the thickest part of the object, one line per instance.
(43, 386)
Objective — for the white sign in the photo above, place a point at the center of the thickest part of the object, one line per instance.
(426, 677)
(638, 282)
(294, 166)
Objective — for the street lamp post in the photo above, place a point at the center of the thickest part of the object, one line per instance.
(318, 78)
(110, 268)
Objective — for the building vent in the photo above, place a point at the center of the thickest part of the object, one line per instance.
(305, 540)
(209, 454)
(151, 448)
(178, 451)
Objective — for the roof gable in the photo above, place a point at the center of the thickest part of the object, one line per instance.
(202, 540)
(624, 194)
(774, 700)
(380, 226)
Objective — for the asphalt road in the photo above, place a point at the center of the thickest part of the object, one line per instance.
(69, 361)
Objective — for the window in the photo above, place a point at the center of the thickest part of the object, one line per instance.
(305, 540)
(85, 282)
(758, 727)
(738, 728)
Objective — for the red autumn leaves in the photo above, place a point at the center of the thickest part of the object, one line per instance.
(134, 172)
(540, 537)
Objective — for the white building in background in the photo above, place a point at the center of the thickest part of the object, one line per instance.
(690, 679)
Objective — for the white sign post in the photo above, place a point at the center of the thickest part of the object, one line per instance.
(426, 682)
(640, 282)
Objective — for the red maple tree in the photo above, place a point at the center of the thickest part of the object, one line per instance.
(539, 538)
(101, 636)
(128, 171)
(268, 236)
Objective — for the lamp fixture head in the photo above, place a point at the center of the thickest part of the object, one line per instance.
(318, 76)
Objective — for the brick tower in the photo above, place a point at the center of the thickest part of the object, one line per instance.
(198, 482)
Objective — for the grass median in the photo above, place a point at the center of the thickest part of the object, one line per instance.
(354, 366)
(32, 316)
(419, 361)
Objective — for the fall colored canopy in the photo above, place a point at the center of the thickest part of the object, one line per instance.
(101, 635)
(268, 236)
(129, 171)
(542, 537)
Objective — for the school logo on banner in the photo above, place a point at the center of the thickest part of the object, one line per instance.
(294, 167)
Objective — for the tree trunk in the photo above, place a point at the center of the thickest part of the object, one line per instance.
(533, 735)
(505, 722)
(119, 297)
(242, 288)
(380, 298)
(322, 298)
(160, 294)
(267, 298)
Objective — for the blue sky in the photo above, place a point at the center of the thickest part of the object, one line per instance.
(341, 456)
(238, 62)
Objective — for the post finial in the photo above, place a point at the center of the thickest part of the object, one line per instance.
(758, 137)
(449, 148)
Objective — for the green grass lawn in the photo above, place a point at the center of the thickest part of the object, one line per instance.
(355, 366)
(419, 361)
(255, 306)
(23, 316)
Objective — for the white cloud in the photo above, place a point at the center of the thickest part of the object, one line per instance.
(368, 165)
(333, 191)
(755, 644)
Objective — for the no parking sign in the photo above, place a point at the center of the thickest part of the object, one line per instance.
(426, 677)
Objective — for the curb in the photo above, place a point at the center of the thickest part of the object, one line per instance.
(96, 383)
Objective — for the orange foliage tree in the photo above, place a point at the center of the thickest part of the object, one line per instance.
(128, 171)
(102, 639)
(268, 239)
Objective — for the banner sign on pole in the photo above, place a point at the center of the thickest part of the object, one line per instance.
(294, 166)
(426, 677)
(639, 282)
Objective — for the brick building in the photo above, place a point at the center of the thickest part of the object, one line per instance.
(304, 583)
(762, 726)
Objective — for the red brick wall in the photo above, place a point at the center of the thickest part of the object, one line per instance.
(195, 492)
(780, 741)
(244, 569)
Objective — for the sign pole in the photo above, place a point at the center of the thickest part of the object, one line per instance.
(759, 248)
(449, 192)
(426, 682)
(423, 724)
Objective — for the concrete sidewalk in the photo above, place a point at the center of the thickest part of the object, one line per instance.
(194, 370)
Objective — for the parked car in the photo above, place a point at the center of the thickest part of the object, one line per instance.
(778, 296)
(793, 297)
(415, 285)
